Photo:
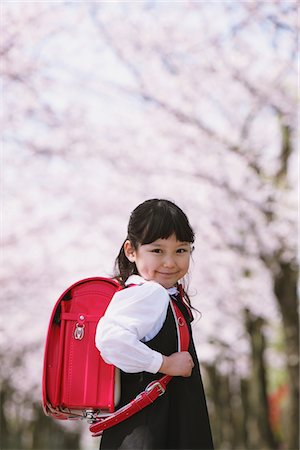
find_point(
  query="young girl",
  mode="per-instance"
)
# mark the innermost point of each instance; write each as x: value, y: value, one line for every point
x: 138, y: 334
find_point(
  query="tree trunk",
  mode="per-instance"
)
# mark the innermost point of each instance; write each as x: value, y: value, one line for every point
x: 260, y: 432
x: 4, y: 425
x: 244, y: 386
x: 285, y: 288
x: 227, y: 410
x: 213, y: 394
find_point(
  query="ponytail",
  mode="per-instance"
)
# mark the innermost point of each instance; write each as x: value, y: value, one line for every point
x: 123, y: 267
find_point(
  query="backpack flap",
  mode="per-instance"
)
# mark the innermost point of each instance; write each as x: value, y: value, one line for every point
x: 76, y: 379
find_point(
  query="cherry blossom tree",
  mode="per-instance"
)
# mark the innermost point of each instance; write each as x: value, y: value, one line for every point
x: 195, y: 102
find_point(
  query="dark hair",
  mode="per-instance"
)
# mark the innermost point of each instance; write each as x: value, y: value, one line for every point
x: 151, y: 220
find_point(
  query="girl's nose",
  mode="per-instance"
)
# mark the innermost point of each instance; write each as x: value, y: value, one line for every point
x: 169, y: 261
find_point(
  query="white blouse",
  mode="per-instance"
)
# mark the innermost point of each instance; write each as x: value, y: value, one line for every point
x: 134, y: 316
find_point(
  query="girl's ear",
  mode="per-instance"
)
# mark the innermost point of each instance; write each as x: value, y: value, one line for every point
x: 129, y: 251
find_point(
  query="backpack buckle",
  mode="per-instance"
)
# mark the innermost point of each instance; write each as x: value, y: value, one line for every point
x: 79, y: 332
x: 156, y: 384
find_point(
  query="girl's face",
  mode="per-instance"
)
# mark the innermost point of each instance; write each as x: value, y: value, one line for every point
x: 165, y: 260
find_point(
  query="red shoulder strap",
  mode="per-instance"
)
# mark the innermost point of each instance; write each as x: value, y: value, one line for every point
x: 182, y: 328
x: 154, y: 389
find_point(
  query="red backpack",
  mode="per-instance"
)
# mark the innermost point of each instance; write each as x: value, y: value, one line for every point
x: 77, y: 383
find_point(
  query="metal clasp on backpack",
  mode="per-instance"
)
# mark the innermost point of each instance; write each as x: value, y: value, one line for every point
x: 79, y: 331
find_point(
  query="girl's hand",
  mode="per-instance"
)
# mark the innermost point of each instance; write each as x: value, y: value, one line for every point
x: 177, y: 364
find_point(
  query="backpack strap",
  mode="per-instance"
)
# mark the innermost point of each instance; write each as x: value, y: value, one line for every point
x: 154, y: 389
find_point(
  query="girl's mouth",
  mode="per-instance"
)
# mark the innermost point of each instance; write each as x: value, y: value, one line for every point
x: 167, y: 274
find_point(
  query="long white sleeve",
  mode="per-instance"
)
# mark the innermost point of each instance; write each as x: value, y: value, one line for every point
x: 134, y: 314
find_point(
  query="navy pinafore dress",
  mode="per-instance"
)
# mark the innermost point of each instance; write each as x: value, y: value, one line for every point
x: 176, y: 420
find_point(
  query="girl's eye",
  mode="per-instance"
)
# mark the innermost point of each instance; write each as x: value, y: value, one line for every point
x: 156, y: 250
x: 182, y: 250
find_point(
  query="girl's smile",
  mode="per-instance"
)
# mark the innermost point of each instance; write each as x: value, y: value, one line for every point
x: 165, y: 260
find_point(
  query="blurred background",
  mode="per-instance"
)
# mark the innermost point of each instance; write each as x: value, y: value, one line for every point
x: 106, y: 104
